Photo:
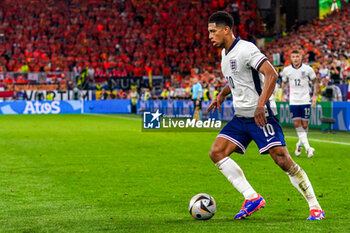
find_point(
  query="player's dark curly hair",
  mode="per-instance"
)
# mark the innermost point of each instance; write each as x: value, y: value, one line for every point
x: 221, y: 18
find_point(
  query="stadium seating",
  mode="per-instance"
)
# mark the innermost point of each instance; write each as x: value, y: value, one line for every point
x: 122, y: 37
x: 168, y: 38
x: 324, y: 42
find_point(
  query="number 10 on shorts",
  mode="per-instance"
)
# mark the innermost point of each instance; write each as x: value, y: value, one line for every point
x: 268, y: 130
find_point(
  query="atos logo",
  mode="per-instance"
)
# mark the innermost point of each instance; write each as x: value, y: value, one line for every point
x: 42, y: 108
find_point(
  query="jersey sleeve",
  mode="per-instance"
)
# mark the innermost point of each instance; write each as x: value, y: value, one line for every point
x: 254, y: 57
x: 312, y: 74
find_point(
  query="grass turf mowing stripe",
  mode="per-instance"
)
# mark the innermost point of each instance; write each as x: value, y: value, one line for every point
x: 318, y: 140
x: 76, y: 173
x: 132, y: 117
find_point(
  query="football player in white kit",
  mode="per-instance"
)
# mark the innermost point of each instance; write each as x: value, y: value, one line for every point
x: 299, y: 75
x: 251, y: 80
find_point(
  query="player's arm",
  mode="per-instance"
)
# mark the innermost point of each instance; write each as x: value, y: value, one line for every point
x: 284, y: 88
x: 216, y: 104
x: 269, y: 85
x: 284, y: 83
x: 316, y: 84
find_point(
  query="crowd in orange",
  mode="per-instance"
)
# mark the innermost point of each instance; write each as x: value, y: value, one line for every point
x: 160, y: 37
x: 325, y: 44
x: 120, y: 37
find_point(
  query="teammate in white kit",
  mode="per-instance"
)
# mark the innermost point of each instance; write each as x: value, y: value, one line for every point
x: 252, y: 80
x: 299, y: 76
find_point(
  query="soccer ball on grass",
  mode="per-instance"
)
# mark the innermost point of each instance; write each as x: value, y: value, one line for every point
x: 202, y: 206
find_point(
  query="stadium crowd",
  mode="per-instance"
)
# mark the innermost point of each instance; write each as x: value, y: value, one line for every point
x: 115, y: 38
x: 100, y: 39
x: 325, y: 44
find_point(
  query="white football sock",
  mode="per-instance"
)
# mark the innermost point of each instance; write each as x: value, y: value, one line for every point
x: 302, y: 134
x: 306, y: 143
x: 301, y: 182
x: 299, y: 142
x: 235, y: 175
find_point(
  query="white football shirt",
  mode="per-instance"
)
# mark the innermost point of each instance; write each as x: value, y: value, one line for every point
x: 240, y: 65
x: 299, y: 89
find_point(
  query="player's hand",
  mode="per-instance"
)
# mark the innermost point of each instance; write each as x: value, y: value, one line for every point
x: 313, y: 101
x: 216, y: 104
x: 197, y: 102
x: 259, y: 116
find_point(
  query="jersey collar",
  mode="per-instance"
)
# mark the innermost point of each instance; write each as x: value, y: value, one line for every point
x: 298, y: 67
x: 233, y: 44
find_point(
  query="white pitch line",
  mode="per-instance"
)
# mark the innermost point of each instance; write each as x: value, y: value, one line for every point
x: 318, y: 140
x: 112, y: 116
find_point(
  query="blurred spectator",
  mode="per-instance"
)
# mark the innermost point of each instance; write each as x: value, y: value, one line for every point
x: 165, y: 94
x: 331, y: 93
x: 25, y: 68
x: 172, y: 93
x: 146, y: 94
x: 112, y: 95
x: 134, y: 97
x: 121, y: 94
x: 104, y: 94
x: 335, y: 72
x: 324, y: 71
x: 278, y: 93
x: 206, y: 93
x: 321, y: 87
x: 19, y: 95
x: 50, y: 96
x: 216, y: 92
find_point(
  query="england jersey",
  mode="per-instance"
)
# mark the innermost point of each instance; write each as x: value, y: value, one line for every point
x: 299, y: 89
x: 240, y: 65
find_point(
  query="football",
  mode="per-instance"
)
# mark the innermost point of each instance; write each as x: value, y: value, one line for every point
x: 202, y: 206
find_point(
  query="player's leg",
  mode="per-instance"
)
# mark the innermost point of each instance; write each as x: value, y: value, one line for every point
x: 234, y: 137
x: 301, y: 116
x: 270, y: 139
x: 302, y: 134
x: 196, y: 115
x: 299, y: 145
x: 305, y: 116
x: 296, y: 117
x: 200, y: 109
x: 298, y: 178
x: 219, y: 154
x: 308, y: 148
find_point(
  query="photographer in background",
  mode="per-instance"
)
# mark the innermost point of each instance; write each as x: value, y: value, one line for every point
x: 331, y: 93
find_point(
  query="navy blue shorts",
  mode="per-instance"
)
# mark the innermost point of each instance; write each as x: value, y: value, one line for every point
x: 300, y: 112
x: 241, y: 131
x: 199, y: 104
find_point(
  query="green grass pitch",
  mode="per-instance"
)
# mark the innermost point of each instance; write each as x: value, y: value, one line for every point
x: 100, y: 173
